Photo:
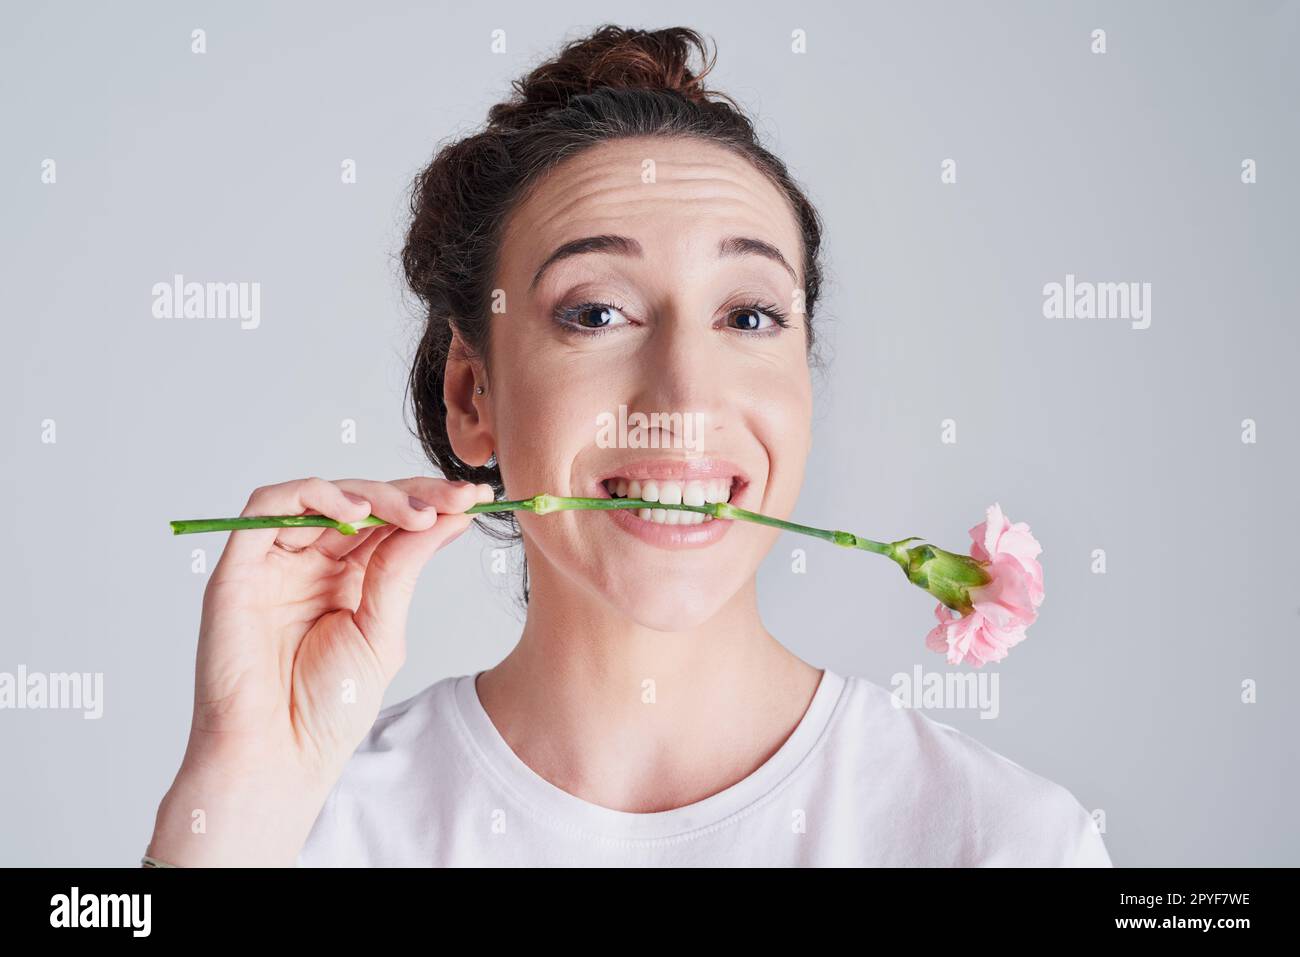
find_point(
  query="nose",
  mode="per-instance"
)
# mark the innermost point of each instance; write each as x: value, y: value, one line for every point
x: 680, y: 376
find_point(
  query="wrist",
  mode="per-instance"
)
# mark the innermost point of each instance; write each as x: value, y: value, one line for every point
x: 211, y: 819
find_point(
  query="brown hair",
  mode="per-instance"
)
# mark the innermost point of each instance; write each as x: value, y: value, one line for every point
x: 612, y: 83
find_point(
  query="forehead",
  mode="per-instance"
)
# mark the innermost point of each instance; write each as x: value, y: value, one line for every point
x: 680, y: 191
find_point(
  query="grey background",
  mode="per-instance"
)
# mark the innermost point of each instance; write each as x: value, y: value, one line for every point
x: 1115, y: 167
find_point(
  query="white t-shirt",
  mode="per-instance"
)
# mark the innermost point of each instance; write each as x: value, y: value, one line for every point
x: 860, y: 781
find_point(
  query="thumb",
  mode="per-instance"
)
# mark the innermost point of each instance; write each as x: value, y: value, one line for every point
x: 389, y: 585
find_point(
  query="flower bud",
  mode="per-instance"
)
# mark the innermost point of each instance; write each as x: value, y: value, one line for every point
x: 946, y: 576
x: 544, y: 504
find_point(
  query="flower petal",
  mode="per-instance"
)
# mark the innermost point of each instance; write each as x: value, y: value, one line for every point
x: 1009, y: 596
x: 986, y: 534
x: 1018, y: 541
x: 957, y: 636
x: 1004, y: 607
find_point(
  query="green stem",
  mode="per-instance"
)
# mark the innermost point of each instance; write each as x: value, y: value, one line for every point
x: 544, y: 504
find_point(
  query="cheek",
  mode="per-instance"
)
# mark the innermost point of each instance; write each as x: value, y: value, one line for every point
x: 543, y: 422
x: 780, y: 416
x: 790, y: 405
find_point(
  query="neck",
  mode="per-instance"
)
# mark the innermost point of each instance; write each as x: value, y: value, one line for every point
x: 629, y: 717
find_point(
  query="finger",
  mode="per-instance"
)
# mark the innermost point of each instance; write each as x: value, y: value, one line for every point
x: 389, y: 584
x: 386, y: 501
x: 393, y: 504
x: 334, y: 545
x: 361, y: 554
x: 289, y: 498
x: 447, y: 497
x: 300, y: 538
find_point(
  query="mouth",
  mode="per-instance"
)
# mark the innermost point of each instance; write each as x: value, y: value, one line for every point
x: 673, y: 483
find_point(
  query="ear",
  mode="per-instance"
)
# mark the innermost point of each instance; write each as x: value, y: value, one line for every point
x: 469, y: 421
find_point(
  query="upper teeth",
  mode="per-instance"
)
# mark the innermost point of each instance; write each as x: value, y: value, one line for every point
x: 695, y: 492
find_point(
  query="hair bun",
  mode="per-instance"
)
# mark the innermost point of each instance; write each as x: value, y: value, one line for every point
x: 611, y: 57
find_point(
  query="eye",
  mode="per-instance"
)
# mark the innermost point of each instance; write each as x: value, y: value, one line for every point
x: 591, y: 317
x: 757, y: 317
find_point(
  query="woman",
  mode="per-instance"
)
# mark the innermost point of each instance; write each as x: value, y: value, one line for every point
x: 614, y: 239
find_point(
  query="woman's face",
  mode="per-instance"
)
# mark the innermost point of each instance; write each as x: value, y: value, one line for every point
x: 659, y: 316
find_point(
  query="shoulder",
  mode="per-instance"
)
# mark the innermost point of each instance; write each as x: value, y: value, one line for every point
x: 394, y: 785
x: 419, y: 722
x: 408, y: 751
x: 969, y: 802
x: 418, y: 707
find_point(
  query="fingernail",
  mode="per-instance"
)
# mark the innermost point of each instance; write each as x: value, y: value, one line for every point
x: 354, y: 498
x: 419, y: 504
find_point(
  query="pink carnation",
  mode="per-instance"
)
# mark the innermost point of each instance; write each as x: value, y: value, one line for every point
x: 1003, y: 608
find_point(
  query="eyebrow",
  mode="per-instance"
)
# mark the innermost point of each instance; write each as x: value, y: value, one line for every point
x: 744, y: 246
x: 626, y: 246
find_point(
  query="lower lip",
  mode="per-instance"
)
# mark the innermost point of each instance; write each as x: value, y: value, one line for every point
x: 670, y: 536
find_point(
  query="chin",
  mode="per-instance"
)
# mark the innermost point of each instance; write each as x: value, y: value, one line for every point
x: 670, y: 606
x: 671, y: 616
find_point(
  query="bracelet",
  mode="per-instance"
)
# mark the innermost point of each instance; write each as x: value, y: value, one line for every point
x: 148, y: 861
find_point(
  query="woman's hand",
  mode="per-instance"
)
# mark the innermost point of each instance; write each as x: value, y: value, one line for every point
x: 301, y: 633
